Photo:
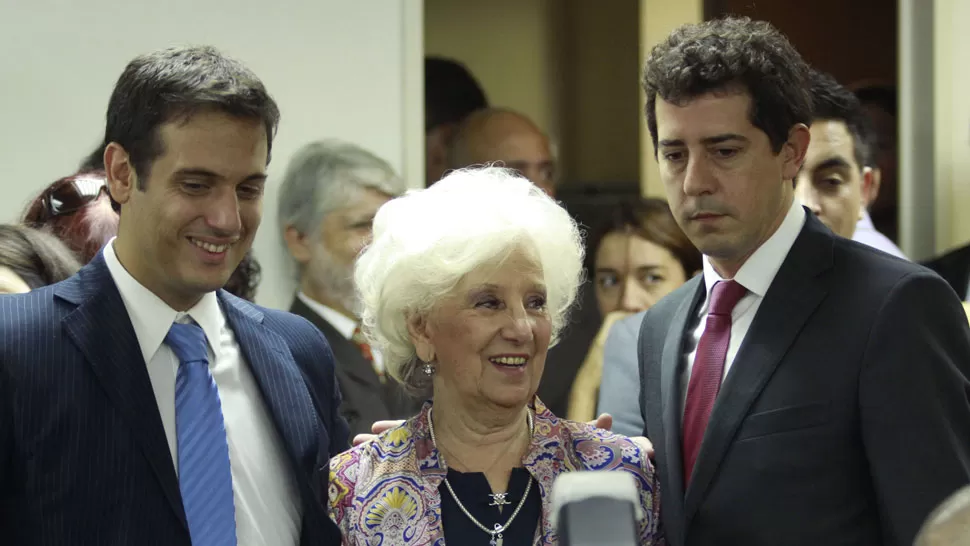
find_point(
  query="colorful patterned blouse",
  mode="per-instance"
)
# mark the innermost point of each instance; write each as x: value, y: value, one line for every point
x: 386, y: 491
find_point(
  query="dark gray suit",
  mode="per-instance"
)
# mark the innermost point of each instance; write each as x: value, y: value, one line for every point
x: 83, y: 454
x: 845, y: 417
x: 365, y: 398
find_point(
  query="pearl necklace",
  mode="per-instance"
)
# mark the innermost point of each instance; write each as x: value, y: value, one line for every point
x: 496, y: 532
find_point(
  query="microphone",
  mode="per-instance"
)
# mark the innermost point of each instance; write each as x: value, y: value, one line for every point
x: 596, y: 508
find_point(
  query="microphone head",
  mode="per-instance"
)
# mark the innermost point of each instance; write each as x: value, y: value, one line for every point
x: 572, y: 487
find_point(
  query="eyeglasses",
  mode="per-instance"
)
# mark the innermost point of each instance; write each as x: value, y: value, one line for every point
x: 72, y: 195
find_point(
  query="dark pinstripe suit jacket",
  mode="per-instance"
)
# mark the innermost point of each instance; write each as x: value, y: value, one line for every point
x: 83, y: 455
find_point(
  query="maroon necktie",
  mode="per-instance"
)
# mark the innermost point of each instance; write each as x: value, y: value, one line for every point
x: 705, y: 377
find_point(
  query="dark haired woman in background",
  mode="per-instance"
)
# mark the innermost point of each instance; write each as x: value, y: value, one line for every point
x: 641, y: 255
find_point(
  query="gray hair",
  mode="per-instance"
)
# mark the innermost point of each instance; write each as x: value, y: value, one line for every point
x: 427, y: 241
x: 327, y: 175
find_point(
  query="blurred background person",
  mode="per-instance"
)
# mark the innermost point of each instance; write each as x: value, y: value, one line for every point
x: 78, y: 210
x: 31, y: 258
x: 500, y: 135
x: 838, y: 179
x: 640, y: 256
x: 451, y: 92
x: 330, y: 192
x: 464, y: 288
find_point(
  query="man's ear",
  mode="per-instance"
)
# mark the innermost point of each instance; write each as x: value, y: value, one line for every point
x: 870, y: 194
x: 120, y: 173
x: 297, y: 244
x: 794, y: 150
x: 419, y: 329
x: 867, y: 183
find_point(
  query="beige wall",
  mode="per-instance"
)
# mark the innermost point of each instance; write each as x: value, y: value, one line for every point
x: 952, y: 124
x: 507, y: 45
x: 600, y: 92
x: 570, y: 65
x: 657, y: 19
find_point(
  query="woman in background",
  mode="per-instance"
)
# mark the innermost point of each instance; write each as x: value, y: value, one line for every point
x: 641, y: 256
x: 31, y: 259
x: 464, y: 288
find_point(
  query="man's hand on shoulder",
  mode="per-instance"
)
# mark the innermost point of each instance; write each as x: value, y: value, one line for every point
x: 376, y: 429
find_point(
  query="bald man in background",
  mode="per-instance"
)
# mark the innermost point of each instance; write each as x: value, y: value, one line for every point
x: 500, y: 135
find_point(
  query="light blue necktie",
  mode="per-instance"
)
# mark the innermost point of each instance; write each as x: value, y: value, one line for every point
x: 205, y: 478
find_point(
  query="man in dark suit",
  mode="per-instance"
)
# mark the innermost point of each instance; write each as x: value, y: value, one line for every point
x: 140, y: 404
x: 330, y: 193
x: 954, y: 266
x: 805, y: 389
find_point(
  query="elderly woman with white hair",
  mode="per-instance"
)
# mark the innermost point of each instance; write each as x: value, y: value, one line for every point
x: 464, y: 287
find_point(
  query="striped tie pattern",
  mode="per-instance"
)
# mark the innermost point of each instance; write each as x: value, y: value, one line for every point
x: 205, y: 477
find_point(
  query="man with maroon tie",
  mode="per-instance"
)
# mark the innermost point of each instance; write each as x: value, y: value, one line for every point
x: 805, y: 389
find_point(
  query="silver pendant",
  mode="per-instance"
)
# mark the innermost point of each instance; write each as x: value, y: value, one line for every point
x: 498, y: 499
x: 496, y: 536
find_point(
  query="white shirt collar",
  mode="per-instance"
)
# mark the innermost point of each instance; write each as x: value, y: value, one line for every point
x: 344, y: 325
x: 757, y: 273
x: 151, y: 317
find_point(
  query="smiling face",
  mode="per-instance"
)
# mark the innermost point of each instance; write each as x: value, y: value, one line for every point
x: 489, y: 338
x: 831, y: 183
x: 187, y: 226
x: 728, y: 190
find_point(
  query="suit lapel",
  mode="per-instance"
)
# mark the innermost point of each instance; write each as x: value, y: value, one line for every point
x: 101, y: 328
x: 350, y: 361
x: 792, y: 297
x: 671, y: 359
x: 281, y: 383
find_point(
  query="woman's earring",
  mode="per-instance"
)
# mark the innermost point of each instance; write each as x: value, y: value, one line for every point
x: 428, y: 369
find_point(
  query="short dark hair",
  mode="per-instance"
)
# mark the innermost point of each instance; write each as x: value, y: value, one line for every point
x: 651, y: 220
x: 176, y: 83
x: 450, y: 92
x: 883, y: 96
x: 832, y: 101
x: 37, y: 257
x: 734, y: 51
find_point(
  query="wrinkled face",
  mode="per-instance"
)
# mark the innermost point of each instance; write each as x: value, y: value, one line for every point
x: 831, y: 183
x: 11, y: 283
x: 343, y: 234
x: 490, y: 336
x: 633, y: 273
x: 727, y: 189
x: 187, y: 230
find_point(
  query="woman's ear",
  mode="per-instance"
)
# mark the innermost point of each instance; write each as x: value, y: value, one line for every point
x: 419, y: 329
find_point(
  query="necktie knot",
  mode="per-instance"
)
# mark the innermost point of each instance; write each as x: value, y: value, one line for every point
x: 187, y: 342
x: 724, y: 296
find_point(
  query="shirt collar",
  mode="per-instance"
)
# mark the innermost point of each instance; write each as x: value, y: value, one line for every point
x: 757, y: 273
x: 345, y: 326
x: 151, y: 317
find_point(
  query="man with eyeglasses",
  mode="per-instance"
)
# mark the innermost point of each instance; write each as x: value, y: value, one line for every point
x: 140, y: 404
